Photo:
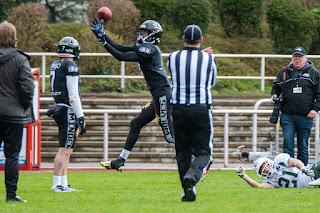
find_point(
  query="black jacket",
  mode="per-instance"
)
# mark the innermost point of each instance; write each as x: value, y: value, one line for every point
x: 16, y: 87
x: 300, y: 89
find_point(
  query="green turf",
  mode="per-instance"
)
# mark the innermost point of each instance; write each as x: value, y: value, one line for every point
x: 222, y: 191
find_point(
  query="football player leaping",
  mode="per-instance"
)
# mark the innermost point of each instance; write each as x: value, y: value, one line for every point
x: 283, y: 172
x: 146, y: 52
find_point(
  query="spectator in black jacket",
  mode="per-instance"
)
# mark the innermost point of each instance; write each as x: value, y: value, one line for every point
x: 299, y: 85
x: 16, y: 92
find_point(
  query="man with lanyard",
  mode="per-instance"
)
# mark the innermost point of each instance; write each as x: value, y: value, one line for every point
x: 299, y: 85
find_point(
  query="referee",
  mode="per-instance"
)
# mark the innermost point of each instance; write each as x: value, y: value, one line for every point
x: 193, y: 73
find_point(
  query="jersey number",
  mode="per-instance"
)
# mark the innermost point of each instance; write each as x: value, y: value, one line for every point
x: 53, y: 76
x: 286, y: 182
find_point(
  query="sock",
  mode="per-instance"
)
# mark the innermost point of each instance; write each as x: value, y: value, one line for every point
x: 124, y: 154
x: 56, y: 181
x: 64, y: 181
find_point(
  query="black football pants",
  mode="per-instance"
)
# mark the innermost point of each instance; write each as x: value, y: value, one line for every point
x: 158, y: 107
x: 11, y: 134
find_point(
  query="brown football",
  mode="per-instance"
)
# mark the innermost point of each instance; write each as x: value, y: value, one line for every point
x: 104, y: 13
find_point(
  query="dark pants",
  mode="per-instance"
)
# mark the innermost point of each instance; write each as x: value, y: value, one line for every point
x: 158, y: 107
x: 292, y: 124
x: 193, y: 136
x: 11, y: 134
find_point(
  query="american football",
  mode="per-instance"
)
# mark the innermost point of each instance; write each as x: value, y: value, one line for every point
x: 104, y: 13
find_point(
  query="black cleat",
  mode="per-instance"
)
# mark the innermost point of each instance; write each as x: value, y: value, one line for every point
x: 117, y: 164
x: 189, y: 190
x: 16, y: 199
x: 183, y: 198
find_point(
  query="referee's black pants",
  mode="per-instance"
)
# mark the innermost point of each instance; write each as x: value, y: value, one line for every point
x: 193, y: 136
x: 11, y: 134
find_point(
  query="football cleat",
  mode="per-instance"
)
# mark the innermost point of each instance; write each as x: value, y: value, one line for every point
x: 205, y: 174
x: 16, y: 199
x: 70, y: 189
x: 59, y: 188
x: 117, y: 164
x: 183, y: 197
x: 315, y: 183
x: 189, y: 190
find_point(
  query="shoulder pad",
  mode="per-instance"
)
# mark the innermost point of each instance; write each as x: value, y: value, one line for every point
x: 71, y: 67
x: 56, y: 64
x: 145, y: 49
x: 282, y: 158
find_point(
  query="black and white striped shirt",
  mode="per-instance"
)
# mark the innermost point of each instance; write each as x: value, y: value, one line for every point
x: 193, y: 73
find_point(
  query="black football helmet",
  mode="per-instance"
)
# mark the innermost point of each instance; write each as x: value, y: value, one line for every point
x: 69, y: 47
x: 155, y: 31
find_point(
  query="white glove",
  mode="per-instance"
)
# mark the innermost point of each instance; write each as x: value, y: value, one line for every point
x: 308, y: 171
x: 241, y: 172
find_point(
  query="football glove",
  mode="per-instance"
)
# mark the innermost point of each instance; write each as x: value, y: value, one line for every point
x: 241, y: 172
x: 98, y: 30
x: 82, y: 126
x: 308, y: 171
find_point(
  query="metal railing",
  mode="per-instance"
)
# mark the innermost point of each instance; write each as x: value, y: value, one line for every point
x: 226, y: 114
x: 108, y: 112
x: 122, y: 75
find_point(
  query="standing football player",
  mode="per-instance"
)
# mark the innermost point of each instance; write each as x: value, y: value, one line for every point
x: 146, y: 52
x: 67, y: 112
x: 283, y: 172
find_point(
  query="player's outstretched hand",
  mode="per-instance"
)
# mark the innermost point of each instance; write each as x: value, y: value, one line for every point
x: 308, y: 171
x: 98, y: 31
x: 241, y: 172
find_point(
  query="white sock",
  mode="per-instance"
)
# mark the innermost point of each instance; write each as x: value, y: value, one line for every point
x: 56, y: 181
x: 124, y: 154
x: 64, y: 181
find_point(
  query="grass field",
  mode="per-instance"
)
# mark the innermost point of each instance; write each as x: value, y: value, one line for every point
x: 222, y: 191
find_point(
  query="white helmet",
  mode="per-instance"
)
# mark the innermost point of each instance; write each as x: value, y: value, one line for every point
x: 263, y: 167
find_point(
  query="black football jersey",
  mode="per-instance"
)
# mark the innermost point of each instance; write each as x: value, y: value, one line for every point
x: 58, y: 72
x: 151, y: 65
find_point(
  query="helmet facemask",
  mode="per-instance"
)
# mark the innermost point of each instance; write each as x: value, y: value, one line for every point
x: 154, y: 32
x: 264, y: 168
x: 152, y: 37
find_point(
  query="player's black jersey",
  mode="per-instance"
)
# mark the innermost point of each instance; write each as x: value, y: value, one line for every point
x: 150, y: 63
x: 149, y: 60
x: 59, y: 70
